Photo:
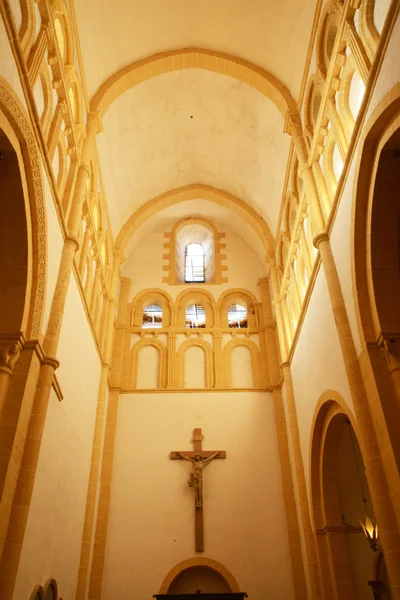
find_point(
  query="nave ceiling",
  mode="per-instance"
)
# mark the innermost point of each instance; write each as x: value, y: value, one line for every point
x: 194, y: 126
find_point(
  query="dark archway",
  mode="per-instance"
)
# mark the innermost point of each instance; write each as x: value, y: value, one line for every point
x: 202, y: 578
x: 341, y: 501
x: 14, y: 243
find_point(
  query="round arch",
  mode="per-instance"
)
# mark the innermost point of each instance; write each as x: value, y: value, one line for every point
x: 199, y: 561
x: 255, y: 360
x: 192, y: 58
x: 205, y: 192
x: 236, y: 295
x: 152, y: 296
x: 134, y: 362
x: 196, y: 296
x: 14, y: 115
x: 330, y: 509
x: 180, y: 356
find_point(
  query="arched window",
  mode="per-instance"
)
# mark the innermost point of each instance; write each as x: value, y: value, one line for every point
x: 152, y: 317
x: 194, y: 263
x: 195, y: 316
x: 237, y: 316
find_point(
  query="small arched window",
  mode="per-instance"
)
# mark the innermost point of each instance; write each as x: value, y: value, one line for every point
x: 237, y: 316
x: 194, y: 263
x: 152, y: 317
x: 195, y: 316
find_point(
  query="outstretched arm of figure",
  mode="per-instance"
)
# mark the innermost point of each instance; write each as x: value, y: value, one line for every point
x: 207, y: 460
x: 185, y: 457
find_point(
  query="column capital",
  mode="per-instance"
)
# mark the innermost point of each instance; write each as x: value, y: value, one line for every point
x: 321, y: 237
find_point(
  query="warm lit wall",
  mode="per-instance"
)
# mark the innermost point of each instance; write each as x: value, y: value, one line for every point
x: 151, y: 519
x: 317, y: 364
x: 53, y: 536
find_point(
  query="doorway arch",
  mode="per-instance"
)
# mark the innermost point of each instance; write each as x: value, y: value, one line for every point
x: 340, y: 501
x: 197, y: 562
x: 18, y: 138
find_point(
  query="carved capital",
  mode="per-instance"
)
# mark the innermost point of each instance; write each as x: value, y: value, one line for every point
x: 390, y: 348
x: 293, y: 125
x: 9, y: 355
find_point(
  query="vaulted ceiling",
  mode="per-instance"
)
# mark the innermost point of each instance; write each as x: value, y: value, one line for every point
x: 183, y: 126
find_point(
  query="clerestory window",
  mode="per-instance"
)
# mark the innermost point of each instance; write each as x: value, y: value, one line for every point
x: 237, y: 316
x: 194, y: 264
x: 152, y: 317
x: 195, y: 316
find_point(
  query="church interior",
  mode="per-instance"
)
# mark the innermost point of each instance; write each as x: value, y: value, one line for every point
x: 200, y: 299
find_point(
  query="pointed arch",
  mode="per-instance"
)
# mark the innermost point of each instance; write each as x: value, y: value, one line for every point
x: 189, y: 192
x: 192, y: 58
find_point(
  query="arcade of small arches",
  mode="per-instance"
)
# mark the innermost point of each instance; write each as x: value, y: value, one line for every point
x: 229, y: 355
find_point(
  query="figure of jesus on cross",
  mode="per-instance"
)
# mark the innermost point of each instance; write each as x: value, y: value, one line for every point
x: 199, y: 458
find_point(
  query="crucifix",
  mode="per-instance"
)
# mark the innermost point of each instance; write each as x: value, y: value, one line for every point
x: 199, y: 458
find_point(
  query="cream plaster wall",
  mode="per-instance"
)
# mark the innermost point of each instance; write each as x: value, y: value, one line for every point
x: 151, y: 524
x: 241, y: 368
x: 195, y: 368
x: 8, y: 68
x: 53, y: 535
x: 193, y: 126
x: 224, y: 26
x: 341, y: 244
x: 148, y: 368
x: 317, y: 364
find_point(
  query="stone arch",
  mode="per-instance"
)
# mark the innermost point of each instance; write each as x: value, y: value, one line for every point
x: 379, y: 336
x: 62, y: 14
x: 196, y: 296
x: 19, y: 124
x: 37, y: 593
x: 152, y: 296
x: 162, y: 349
x: 205, y: 192
x: 28, y: 26
x: 326, y: 37
x: 180, y: 367
x: 50, y: 586
x: 237, y: 295
x: 192, y: 58
x: 176, y: 255
x: 255, y: 360
x: 331, y: 416
x: 199, y: 561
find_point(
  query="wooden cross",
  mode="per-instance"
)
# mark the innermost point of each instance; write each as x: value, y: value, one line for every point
x: 199, y: 458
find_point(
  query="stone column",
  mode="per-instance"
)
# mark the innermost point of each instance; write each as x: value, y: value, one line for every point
x: 171, y: 376
x: 98, y: 437
x: 309, y: 534
x: 23, y: 494
x: 295, y: 551
x: 219, y: 371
